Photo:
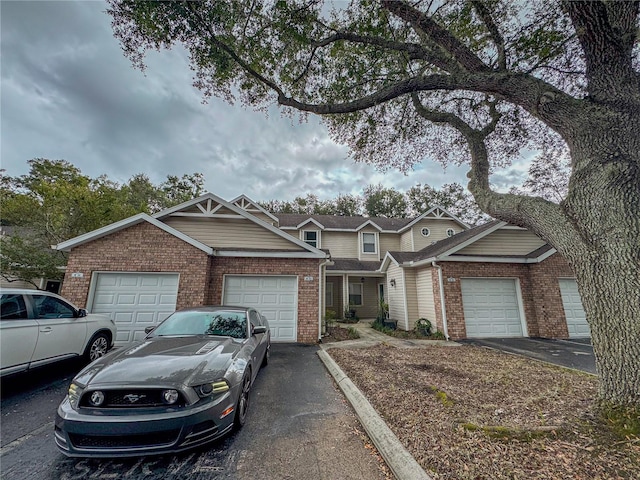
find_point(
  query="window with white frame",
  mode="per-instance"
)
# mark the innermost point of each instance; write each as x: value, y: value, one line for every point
x: 312, y: 237
x: 425, y: 232
x: 369, y: 243
x: 328, y: 295
x: 450, y: 232
x: 355, y: 294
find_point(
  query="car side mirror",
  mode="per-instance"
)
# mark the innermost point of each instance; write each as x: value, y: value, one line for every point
x: 259, y: 329
x: 81, y: 313
x: 149, y: 329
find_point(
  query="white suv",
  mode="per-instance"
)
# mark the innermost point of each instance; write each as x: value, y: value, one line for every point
x: 38, y: 327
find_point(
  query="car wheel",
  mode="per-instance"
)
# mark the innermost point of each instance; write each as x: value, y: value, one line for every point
x: 97, y: 347
x: 242, y: 406
x: 265, y: 359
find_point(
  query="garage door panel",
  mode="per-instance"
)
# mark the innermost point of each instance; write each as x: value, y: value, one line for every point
x: 491, y: 308
x: 135, y: 301
x: 273, y: 296
x: 577, y: 325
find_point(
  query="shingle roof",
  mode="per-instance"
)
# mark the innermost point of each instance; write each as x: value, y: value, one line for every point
x: 353, y: 264
x: 342, y: 222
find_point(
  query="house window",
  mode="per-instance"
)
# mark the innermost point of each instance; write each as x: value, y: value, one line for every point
x: 369, y: 243
x: 425, y: 232
x: 328, y: 295
x: 311, y: 237
x: 450, y: 232
x: 355, y: 294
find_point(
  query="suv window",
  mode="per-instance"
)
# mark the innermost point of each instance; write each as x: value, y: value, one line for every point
x: 12, y: 307
x: 51, y: 307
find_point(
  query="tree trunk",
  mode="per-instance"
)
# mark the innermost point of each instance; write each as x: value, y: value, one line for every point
x: 603, y: 245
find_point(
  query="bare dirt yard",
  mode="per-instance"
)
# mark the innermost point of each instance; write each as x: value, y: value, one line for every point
x: 472, y: 413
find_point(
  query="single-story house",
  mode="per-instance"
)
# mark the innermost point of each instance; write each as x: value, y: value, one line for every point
x: 492, y: 280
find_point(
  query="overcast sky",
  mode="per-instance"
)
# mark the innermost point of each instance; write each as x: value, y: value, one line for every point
x: 68, y: 93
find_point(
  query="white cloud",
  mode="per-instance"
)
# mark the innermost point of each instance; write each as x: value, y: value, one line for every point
x: 69, y: 93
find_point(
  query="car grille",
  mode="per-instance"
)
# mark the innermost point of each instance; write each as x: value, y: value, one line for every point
x: 124, y: 441
x: 131, y: 399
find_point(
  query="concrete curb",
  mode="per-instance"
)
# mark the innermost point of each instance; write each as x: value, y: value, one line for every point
x: 399, y: 460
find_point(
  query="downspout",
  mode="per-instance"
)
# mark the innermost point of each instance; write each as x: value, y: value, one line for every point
x: 321, y: 288
x: 442, y: 305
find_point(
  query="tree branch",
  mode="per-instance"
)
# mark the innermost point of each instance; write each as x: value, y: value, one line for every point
x: 414, y: 50
x: 515, y: 209
x: 485, y: 14
x: 441, y: 36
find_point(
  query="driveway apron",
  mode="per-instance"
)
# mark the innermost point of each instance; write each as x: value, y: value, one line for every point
x: 577, y: 354
x: 299, y: 426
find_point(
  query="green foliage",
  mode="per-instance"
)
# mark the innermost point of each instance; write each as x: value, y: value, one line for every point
x: 28, y: 258
x: 423, y: 327
x: 353, y: 333
x: 623, y: 422
x: 384, y: 202
x: 330, y: 317
x: 55, y: 201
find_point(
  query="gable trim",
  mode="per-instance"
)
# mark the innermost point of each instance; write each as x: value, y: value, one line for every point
x: 429, y: 212
x: 245, y: 214
x: 246, y: 199
x: 309, y: 220
x: 126, y: 223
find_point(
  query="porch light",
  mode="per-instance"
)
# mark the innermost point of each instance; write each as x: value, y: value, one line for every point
x: 361, y: 279
x: 393, y: 282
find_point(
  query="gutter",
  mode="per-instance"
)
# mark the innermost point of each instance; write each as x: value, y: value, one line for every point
x: 321, y: 288
x: 442, y: 304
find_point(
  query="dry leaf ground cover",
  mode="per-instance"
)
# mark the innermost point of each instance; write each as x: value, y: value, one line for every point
x: 472, y: 413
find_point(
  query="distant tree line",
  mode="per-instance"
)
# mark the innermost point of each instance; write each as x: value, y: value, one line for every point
x: 379, y: 201
x: 55, y: 201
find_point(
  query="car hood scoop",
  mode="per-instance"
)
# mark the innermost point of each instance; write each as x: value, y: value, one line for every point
x: 159, y: 361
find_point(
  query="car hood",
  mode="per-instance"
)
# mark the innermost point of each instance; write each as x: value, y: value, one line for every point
x: 161, y: 361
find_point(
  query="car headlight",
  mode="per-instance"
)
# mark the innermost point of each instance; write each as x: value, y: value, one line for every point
x: 170, y: 396
x: 75, y: 392
x: 209, y: 389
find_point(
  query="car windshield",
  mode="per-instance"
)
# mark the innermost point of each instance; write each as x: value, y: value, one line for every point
x: 222, y: 323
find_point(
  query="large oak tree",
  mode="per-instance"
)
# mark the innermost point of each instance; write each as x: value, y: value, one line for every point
x: 473, y: 81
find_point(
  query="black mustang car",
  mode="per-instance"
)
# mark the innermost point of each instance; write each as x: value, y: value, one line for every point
x: 185, y: 384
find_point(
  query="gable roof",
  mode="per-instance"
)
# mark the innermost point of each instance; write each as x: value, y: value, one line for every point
x: 208, y: 206
x: 126, y: 223
x: 291, y: 221
x: 446, y: 249
x: 436, y: 212
x: 250, y: 206
x: 339, y: 222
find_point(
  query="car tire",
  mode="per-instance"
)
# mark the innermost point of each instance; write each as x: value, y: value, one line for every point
x: 242, y: 406
x: 265, y: 359
x: 97, y: 347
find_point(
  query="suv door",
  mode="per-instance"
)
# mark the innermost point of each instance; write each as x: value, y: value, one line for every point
x: 18, y: 334
x: 60, y: 331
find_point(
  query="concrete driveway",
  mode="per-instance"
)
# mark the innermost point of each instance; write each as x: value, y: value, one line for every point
x: 574, y: 353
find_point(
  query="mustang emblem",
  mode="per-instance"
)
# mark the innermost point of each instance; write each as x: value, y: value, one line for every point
x: 133, y: 398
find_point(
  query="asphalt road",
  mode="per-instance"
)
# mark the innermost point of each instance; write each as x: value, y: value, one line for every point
x: 574, y: 353
x: 299, y: 427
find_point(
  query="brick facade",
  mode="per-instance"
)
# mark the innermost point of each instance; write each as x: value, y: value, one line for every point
x: 301, y: 267
x: 146, y: 248
x: 140, y: 248
x: 541, y: 298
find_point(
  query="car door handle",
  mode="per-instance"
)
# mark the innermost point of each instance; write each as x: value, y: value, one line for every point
x: 45, y: 330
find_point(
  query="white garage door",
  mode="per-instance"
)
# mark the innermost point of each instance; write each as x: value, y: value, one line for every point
x: 135, y: 301
x: 576, y: 318
x: 274, y: 296
x: 491, y: 307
